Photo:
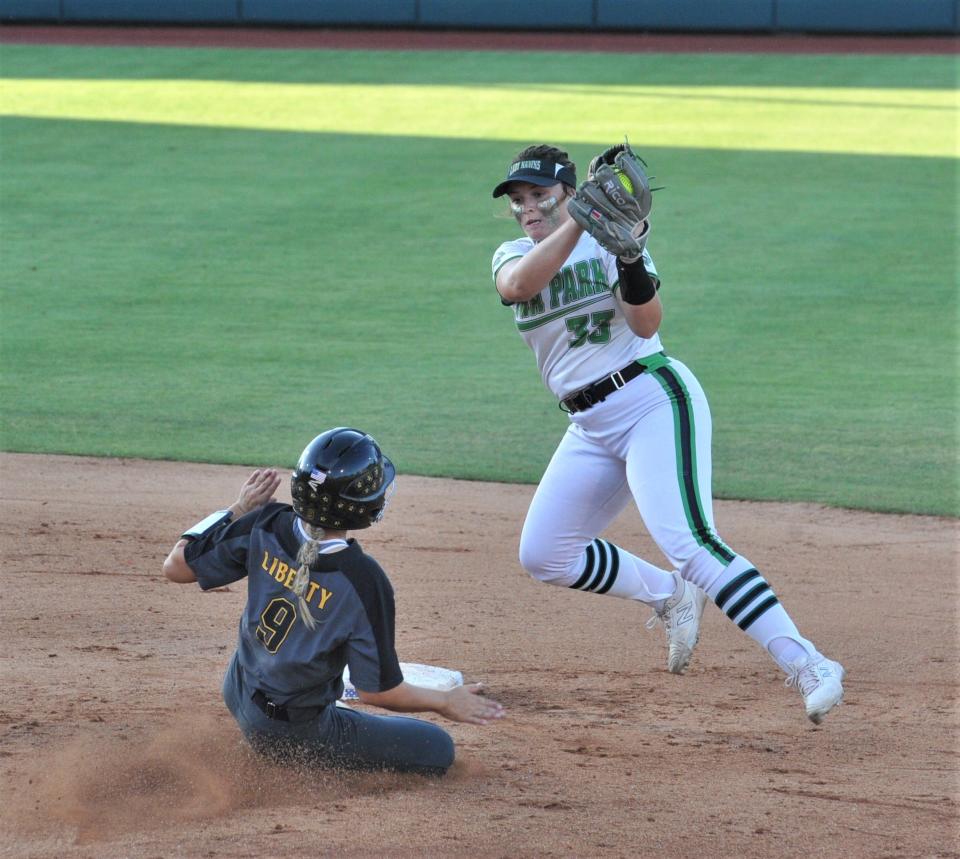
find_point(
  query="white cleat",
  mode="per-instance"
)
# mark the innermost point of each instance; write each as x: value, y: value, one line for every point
x: 680, y: 617
x: 820, y: 682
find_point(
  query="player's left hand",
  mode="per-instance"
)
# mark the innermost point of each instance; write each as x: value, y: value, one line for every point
x: 257, y: 490
x: 466, y: 704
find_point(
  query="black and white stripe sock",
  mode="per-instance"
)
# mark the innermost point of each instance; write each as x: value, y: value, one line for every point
x: 748, y: 600
x: 609, y: 569
x: 601, y: 568
x: 745, y: 598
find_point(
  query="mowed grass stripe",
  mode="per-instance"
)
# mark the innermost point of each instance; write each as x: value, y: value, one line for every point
x: 890, y: 72
x: 839, y: 120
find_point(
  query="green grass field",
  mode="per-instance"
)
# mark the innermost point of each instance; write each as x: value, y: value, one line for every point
x: 211, y: 255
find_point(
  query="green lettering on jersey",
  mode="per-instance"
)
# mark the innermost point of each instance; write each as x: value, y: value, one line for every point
x: 556, y: 284
x: 582, y: 272
x: 599, y: 276
x: 569, y: 285
x: 532, y: 307
x: 557, y: 314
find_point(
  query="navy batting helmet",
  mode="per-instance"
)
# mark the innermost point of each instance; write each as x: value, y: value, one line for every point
x: 341, y: 480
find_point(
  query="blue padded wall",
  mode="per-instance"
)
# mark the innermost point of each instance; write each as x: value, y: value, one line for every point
x: 365, y: 12
x: 30, y: 10
x: 509, y: 14
x: 756, y: 16
x: 869, y: 16
x: 168, y: 11
x: 686, y: 14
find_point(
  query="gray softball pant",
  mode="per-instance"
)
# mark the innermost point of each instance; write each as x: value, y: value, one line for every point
x: 338, y: 737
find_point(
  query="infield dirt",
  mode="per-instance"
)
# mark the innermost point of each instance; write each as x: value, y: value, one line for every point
x: 115, y: 743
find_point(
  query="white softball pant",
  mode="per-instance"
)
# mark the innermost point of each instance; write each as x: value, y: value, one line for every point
x: 649, y: 441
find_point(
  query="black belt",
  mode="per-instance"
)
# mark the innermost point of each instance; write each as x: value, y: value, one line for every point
x: 280, y: 713
x: 602, y: 388
x: 270, y: 710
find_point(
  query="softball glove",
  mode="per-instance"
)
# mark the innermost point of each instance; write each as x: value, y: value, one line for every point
x: 613, y: 204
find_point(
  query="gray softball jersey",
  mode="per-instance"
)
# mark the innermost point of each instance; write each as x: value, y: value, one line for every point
x: 349, y: 596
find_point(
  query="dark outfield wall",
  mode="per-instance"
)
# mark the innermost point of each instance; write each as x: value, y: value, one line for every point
x: 766, y: 16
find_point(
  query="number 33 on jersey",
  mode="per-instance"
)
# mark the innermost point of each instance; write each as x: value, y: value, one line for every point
x: 575, y: 316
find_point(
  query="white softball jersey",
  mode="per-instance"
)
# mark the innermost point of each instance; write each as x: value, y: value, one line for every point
x: 574, y: 325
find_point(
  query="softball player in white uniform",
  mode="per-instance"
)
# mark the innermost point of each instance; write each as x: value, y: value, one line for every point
x: 640, y: 428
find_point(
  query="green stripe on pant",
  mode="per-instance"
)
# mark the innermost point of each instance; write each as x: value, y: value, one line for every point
x: 685, y: 436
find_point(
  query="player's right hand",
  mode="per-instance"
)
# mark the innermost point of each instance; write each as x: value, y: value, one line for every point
x: 257, y: 490
x: 466, y: 704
